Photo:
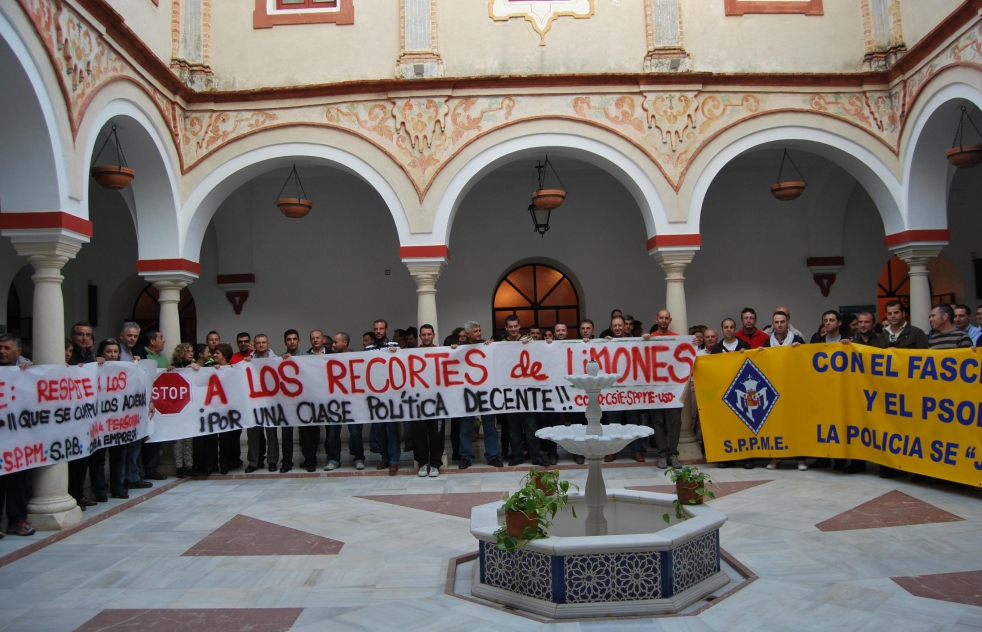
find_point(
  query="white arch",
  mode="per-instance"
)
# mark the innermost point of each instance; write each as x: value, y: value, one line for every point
x: 592, y: 151
x: 201, y: 205
x: 875, y: 176
x: 153, y: 196
x: 37, y: 180
x: 926, y: 173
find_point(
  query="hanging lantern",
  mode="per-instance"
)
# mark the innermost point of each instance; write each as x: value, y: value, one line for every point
x: 961, y: 155
x: 297, y: 207
x: 543, y: 198
x: 116, y: 176
x: 540, y: 217
x: 790, y: 189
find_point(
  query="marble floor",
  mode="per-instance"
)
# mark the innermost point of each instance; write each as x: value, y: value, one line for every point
x: 363, y: 551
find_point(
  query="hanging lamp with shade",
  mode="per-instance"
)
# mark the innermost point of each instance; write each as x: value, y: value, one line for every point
x: 787, y: 190
x: 543, y: 198
x: 117, y: 176
x: 294, y: 207
x: 961, y: 155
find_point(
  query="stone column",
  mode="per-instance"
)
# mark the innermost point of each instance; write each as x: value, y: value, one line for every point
x: 50, y: 508
x: 674, y: 263
x: 426, y: 276
x: 169, y: 298
x: 917, y: 258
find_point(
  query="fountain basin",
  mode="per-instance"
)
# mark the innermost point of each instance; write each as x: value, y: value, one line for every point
x: 644, y: 566
x: 575, y: 439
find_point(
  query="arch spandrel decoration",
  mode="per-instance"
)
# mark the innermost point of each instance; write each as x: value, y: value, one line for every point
x: 539, y: 295
x: 670, y: 137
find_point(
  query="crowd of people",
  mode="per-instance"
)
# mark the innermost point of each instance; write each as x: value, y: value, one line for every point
x: 507, y: 438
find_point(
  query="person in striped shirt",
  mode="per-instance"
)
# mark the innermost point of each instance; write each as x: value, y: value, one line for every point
x: 945, y: 334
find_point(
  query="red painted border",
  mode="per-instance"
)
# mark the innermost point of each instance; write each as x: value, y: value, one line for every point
x: 670, y: 241
x: 812, y: 7
x: 236, y: 278
x: 167, y: 265
x: 423, y: 252
x: 825, y: 261
x: 909, y: 236
x: 262, y: 20
x: 48, y: 219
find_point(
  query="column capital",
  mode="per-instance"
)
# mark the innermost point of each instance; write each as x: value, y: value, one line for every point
x: 917, y: 257
x: 163, y: 285
x: 426, y: 275
x: 674, y: 261
x: 52, y: 253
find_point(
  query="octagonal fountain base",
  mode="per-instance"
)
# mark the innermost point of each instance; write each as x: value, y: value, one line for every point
x: 642, y: 567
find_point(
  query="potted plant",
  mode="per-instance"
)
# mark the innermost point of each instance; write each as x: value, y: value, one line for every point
x: 962, y: 155
x: 787, y: 190
x: 528, y: 512
x: 116, y: 176
x: 690, y: 488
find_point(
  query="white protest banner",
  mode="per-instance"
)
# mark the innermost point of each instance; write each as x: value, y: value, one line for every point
x: 409, y: 384
x: 52, y: 413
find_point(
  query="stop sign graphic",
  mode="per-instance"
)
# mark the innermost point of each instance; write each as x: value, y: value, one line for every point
x: 171, y: 393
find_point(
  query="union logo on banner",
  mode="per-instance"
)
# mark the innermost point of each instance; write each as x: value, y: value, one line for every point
x: 751, y: 396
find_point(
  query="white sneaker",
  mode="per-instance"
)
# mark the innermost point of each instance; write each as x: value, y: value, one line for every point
x: 802, y: 467
x: 434, y: 472
x: 772, y: 465
x: 330, y: 466
x: 424, y: 471
x: 359, y: 465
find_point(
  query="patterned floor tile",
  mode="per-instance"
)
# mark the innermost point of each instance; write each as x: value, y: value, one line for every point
x: 893, y: 509
x: 212, y: 620
x: 459, y: 505
x: 956, y: 587
x: 243, y: 535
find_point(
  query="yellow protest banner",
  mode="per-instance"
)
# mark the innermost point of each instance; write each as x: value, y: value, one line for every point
x: 914, y: 410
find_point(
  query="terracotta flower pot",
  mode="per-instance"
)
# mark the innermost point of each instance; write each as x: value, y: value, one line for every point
x: 548, y: 199
x: 294, y: 208
x: 539, y: 485
x: 113, y: 176
x: 688, y: 492
x: 787, y: 191
x: 965, y: 156
x: 516, y: 522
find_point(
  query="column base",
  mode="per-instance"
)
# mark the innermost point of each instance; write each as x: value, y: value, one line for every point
x: 58, y: 521
x: 690, y: 452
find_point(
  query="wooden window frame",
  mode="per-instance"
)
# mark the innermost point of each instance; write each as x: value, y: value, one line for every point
x: 738, y: 7
x: 343, y: 13
x: 534, y: 306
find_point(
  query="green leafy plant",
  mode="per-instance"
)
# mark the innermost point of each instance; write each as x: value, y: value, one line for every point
x: 687, y: 475
x: 540, y: 498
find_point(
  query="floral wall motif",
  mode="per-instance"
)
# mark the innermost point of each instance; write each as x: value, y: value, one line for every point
x: 423, y: 134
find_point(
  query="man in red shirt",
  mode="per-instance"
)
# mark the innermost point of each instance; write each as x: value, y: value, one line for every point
x: 244, y: 341
x: 750, y: 334
x: 662, y: 321
x: 667, y: 421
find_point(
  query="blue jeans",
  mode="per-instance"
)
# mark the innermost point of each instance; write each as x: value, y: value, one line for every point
x: 388, y: 442
x: 356, y: 446
x: 373, y: 437
x: 124, y: 466
x: 490, y: 437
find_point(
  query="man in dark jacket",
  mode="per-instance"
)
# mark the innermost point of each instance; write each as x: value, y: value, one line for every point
x: 865, y: 335
x: 781, y: 336
x: 730, y: 342
x: 82, y: 344
x: 900, y: 334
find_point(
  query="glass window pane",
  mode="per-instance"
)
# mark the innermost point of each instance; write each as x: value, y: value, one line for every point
x: 547, y: 317
x: 546, y: 278
x: 564, y: 294
x: 507, y: 296
x: 522, y: 279
x: 526, y: 317
x: 570, y: 317
x: 499, y: 320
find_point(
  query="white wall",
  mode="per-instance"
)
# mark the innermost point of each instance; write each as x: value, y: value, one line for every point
x: 598, y: 234
x: 754, y: 251
x: 324, y: 271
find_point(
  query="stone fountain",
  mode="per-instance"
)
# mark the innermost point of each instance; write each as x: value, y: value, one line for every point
x: 638, y: 565
x: 594, y: 442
